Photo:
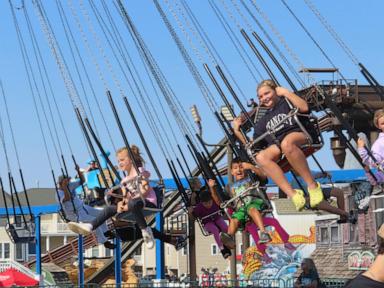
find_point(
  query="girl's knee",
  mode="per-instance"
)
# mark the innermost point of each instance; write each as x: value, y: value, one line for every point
x: 288, y: 146
x: 262, y: 158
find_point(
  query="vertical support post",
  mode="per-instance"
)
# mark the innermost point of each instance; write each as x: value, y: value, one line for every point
x: 117, y: 254
x: 192, y: 249
x: 81, y: 261
x: 38, y: 248
x: 246, y: 242
x: 160, y: 261
x: 233, y: 256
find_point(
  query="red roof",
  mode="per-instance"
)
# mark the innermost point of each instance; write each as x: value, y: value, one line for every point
x: 12, y: 276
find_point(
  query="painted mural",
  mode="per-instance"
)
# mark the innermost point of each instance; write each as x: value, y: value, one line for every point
x: 279, y: 260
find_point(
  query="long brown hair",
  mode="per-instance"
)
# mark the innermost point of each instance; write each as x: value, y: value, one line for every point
x: 139, y: 160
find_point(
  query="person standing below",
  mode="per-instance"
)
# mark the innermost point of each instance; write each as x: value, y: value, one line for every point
x: 309, y: 278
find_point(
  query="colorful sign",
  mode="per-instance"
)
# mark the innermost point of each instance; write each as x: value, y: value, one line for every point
x: 360, y: 260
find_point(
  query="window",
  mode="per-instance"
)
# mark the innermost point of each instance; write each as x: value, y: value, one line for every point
x: 324, y: 236
x: 19, y: 251
x: 95, y: 251
x: 108, y: 252
x: 6, y: 250
x: 335, y: 235
x: 1, y: 250
x: 31, y: 248
x: 214, y: 249
x: 241, y: 248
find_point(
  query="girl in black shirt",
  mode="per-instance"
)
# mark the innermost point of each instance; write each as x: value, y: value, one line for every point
x: 290, y: 137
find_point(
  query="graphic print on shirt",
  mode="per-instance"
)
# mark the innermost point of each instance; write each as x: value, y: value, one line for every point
x: 275, y: 122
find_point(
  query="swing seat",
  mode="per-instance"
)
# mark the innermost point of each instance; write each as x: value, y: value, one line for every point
x: 21, y: 234
x: 227, y: 204
x: 201, y: 225
x: 307, y: 123
x: 128, y: 217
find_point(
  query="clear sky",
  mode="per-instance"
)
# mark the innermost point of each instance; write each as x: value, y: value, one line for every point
x: 358, y: 23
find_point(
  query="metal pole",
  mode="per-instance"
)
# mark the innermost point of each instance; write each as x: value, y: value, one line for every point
x: 160, y: 258
x: 117, y: 254
x: 192, y: 249
x: 38, y: 248
x: 80, y: 258
x: 126, y: 143
x: 143, y: 139
x: 259, y: 56
x: 94, y: 154
x: 233, y: 256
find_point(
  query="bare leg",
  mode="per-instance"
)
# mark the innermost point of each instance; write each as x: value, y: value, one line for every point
x: 291, y: 148
x: 233, y: 226
x: 266, y: 159
x: 257, y: 219
x: 325, y: 206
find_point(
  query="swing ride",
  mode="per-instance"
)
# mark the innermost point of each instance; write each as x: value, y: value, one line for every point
x: 94, y: 46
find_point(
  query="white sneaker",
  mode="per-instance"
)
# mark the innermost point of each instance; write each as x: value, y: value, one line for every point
x: 148, y: 237
x: 80, y: 228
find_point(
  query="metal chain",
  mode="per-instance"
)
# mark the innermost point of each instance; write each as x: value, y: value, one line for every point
x: 332, y: 31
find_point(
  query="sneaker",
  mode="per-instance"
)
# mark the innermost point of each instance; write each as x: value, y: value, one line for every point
x: 315, y: 196
x: 80, y: 228
x: 264, y: 238
x: 289, y: 246
x: 298, y: 200
x: 226, y: 252
x: 109, y: 245
x: 181, y: 242
x: 148, y: 237
x: 377, y: 189
x: 227, y: 240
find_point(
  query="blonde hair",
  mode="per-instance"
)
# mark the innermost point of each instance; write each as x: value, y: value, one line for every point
x: 378, y: 114
x: 139, y: 160
x: 269, y: 83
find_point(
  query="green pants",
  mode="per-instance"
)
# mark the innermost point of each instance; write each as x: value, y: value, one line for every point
x: 241, y: 214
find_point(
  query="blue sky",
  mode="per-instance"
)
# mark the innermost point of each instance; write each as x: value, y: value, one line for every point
x: 359, y: 25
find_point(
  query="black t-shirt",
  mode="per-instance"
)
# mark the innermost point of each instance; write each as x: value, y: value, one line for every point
x: 363, y: 281
x: 272, y: 117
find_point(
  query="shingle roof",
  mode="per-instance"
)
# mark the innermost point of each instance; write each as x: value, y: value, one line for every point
x: 36, y: 196
x: 285, y: 206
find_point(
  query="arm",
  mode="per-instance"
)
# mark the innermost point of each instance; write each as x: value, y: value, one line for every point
x: 236, y: 129
x: 364, y: 153
x: 144, y: 188
x: 212, y: 189
x: 67, y: 195
x: 297, y: 101
x: 254, y: 169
